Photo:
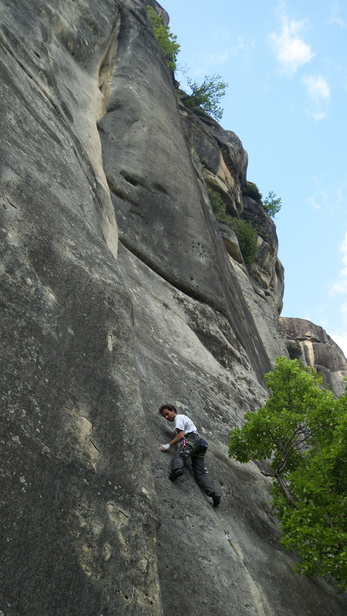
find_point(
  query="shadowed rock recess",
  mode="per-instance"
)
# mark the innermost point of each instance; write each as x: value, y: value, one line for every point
x: 120, y: 291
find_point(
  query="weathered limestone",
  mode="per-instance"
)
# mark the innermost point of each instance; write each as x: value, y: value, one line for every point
x: 99, y: 330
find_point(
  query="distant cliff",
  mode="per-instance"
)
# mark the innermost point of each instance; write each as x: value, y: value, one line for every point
x: 120, y: 291
x: 312, y: 345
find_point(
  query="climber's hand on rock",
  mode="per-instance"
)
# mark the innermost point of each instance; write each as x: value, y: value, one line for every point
x: 164, y: 447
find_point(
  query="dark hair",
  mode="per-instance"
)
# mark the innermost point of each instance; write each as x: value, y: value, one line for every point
x: 169, y: 407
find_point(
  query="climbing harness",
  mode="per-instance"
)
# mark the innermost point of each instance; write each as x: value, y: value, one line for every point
x: 198, y: 451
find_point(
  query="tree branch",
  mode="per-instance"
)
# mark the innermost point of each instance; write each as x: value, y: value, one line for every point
x: 289, y: 496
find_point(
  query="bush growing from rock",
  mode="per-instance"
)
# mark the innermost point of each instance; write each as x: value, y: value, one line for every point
x: 217, y: 203
x: 272, y: 204
x: 207, y: 95
x: 247, y: 237
x: 244, y: 230
x: 250, y: 189
x: 165, y: 38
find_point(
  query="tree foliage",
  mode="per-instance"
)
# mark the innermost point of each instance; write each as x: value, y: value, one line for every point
x: 271, y: 204
x: 302, y: 432
x: 207, y: 95
x: 165, y: 38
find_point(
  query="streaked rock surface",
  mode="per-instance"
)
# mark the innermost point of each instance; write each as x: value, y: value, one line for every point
x: 317, y: 349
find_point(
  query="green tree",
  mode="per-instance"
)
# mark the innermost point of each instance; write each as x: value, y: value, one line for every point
x: 302, y: 432
x: 271, y: 204
x: 165, y: 38
x: 207, y: 95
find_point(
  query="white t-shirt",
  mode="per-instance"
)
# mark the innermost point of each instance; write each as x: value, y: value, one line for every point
x: 182, y: 422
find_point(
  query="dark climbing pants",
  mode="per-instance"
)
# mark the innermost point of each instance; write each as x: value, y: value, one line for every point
x: 190, y: 448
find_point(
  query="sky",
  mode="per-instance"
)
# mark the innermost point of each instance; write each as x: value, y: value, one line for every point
x: 286, y: 66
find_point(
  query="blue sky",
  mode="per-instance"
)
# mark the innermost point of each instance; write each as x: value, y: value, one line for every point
x: 286, y: 66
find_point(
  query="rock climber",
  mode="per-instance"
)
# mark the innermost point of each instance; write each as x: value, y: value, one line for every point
x: 189, y: 445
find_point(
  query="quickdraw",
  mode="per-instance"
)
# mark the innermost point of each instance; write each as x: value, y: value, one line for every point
x: 185, y: 442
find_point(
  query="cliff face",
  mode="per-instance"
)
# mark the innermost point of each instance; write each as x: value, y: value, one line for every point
x: 312, y: 345
x: 118, y: 294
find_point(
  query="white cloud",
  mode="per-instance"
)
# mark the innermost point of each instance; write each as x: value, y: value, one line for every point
x: 318, y: 92
x: 219, y: 58
x: 328, y: 196
x: 317, y: 115
x: 341, y: 337
x: 341, y: 341
x: 243, y: 48
x: 291, y: 51
x: 335, y: 10
x: 316, y: 201
x: 341, y: 285
x: 318, y: 89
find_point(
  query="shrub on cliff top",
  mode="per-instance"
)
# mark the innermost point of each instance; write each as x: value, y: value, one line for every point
x: 207, y: 95
x: 250, y: 189
x: 271, y: 204
x: 165, y: 38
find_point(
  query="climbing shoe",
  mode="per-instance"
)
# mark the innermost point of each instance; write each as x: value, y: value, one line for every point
x: 176, y: 473
x: 216, y: 498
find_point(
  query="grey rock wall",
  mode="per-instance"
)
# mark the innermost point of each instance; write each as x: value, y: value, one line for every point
x: 312, y: 345
x: 78, y: 527
x: 118, y: 294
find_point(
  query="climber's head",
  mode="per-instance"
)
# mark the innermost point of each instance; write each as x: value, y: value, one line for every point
x: 168, y: 411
